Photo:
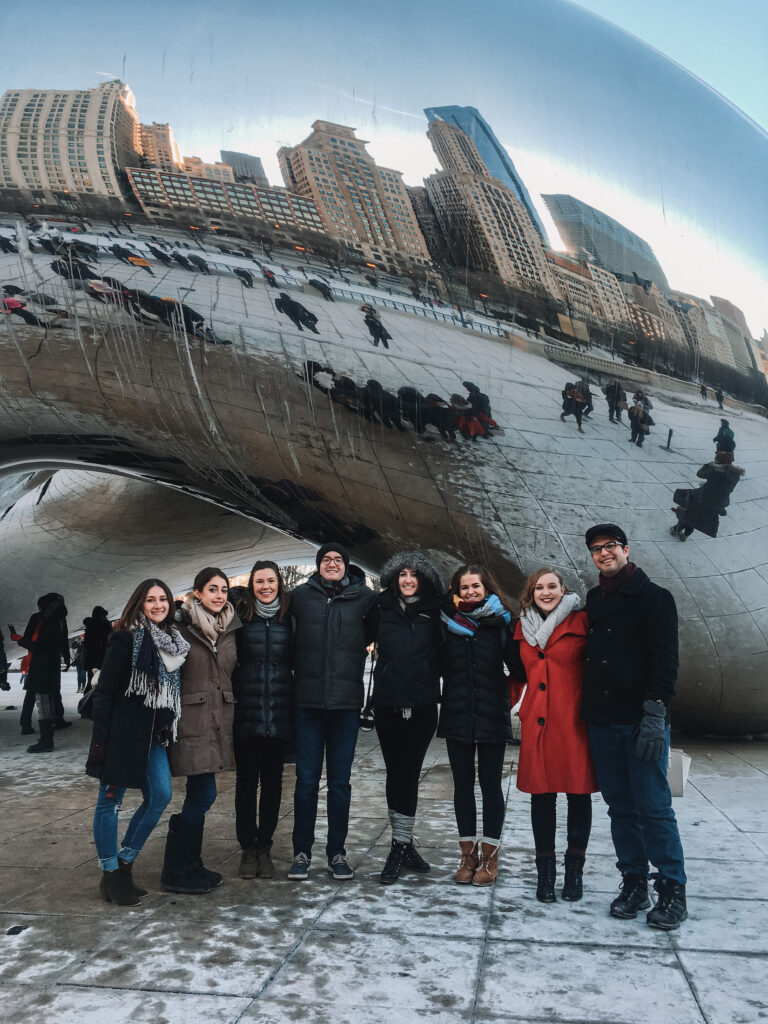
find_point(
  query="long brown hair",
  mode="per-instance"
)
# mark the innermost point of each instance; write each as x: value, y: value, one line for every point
x: 130, y: 617
x: 486, y: 578
x: 247, y: 608
x: 526, y: 598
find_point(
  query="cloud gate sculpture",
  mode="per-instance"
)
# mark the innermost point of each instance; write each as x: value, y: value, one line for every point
x: 239, y: 368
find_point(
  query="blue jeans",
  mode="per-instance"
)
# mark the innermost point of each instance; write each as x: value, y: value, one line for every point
x: 333, y: 733
x: 643, y: 824
x: 199, y: 798
x: 157, y: 794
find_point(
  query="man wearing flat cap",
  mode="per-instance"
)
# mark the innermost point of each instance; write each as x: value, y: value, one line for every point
x: 331, y: 632
x: 630, y: 672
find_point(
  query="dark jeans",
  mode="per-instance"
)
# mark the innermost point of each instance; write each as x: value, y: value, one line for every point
x: 25, y: 720
x: 636, y: 434
x: 614, y: 410
x: 404, y: 743
x: 490, y: 764
x: 259, y: 761
x: 643, y: 824
x: 199, y: 797
x: 333, y: 734
x: 544, y: 821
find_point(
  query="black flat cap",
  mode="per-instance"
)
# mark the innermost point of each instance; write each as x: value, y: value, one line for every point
x: 606, y: 530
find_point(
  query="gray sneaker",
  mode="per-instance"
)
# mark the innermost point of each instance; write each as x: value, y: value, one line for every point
x: 340, y: 869
x: 300, y: 868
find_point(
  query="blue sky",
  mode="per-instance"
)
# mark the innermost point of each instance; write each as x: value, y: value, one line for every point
x: 582, y: 107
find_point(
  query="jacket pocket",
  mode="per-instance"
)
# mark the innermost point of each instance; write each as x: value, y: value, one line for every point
x: 229, y: 697
x: 194, y: 718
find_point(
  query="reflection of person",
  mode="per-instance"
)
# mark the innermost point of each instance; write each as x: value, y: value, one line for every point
x: 582, y: 386
x: 136, y: 706
x: 376, y: 329
x: 616, y: 397
x: 573, y: 404
x: 406, y: 692
x: 46, y: 639
x: 639, y: 424
x: 329, y: 614
x: 203, y: 745
x: 299, y: 314
x: 481, y: 405
x: 700, y: 508
x: 724, y: 439
x: 28, y: 705
x: 378, y: 402
x: 554, y: 747
x: 719, y: 396
x: 263, y: 689
x: 97, y: 630
x: 475, y: 713
x: 630, y: 673
x: 704, y: 391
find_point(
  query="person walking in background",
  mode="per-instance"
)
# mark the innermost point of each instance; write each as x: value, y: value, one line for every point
x: 554, y: 748
x: 481, y: 406
x: 406, y: 692
x: 639, y: 424
x: 78, y: 662
x: 719, y: 396
x: 475, y: 713
x: 376, y: 328
x: 203, y: 743
x: 299, y: 314
x: 46, y: 639
x: 630, y: 671
x: 616, y: 397
x: 583, y: 388
x: 136, y: 707
x: 724, y: 439
x: 97, y: 630
x: 700, y: 507
x: 573, y: 403
x: 330, y: 614
x: 704, y: 391
x: 28, y: 704
x: 263, y: 687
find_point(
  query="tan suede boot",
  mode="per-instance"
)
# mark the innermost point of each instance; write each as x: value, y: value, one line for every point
x: 488, y: 869
x: 469, y: 862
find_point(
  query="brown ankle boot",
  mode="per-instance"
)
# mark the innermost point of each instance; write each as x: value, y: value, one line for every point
x: 469, y: 862
x: 488, y: 870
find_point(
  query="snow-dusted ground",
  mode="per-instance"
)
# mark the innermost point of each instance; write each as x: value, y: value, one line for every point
x: 423, y: 950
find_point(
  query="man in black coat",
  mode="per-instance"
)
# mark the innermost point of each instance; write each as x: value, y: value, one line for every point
x: 630, y: 672
x: 331, y: 632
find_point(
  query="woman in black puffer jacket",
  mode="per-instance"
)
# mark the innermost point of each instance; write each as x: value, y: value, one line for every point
x: 406, y: 692
x: 263, y: 688
x: 475, y: 714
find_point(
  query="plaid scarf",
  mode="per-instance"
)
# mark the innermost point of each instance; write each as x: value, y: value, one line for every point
x: 466, y: 619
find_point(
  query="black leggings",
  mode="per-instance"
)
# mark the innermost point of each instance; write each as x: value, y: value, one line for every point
x: 404, y: 743
x: 490, y: 764
x: 258, y: 761
x: 544, y: 821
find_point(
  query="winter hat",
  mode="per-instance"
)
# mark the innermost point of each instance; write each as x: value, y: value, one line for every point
x: 606, y: 530
x: 424, y: 568
x: 333, y: 546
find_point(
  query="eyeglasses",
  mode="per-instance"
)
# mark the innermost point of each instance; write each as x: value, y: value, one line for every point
x: 331, y: 561
x: 608, y: 546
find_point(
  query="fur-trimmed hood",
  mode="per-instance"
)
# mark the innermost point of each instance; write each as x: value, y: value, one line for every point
x: 416, y: 560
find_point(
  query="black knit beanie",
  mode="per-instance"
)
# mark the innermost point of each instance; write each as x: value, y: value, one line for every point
x: 333, y: 546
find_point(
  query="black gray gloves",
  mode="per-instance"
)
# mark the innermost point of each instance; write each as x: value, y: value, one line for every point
x: 652, y: 732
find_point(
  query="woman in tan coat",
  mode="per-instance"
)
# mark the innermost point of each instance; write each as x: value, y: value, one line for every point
x: 204, y: 742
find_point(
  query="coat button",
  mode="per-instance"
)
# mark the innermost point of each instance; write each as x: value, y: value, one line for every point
x: 591, y: 629
x: 540, y: 721
x: 604, y: 662
x: 586, y: 659
x: 608, y: 630
x: 542, y: 686
x: 541, y: 654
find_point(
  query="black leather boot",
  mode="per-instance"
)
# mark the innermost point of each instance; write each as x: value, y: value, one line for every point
x: 180, y: 870
x: 127, y: 869
x: 45, y: 743
x: 632, y: 898
x: 670, y: 909
x: 547, y: 869
x: 573, y: 888
x: 116, y: 888
x: 394, y: 865
x: 412, y: 859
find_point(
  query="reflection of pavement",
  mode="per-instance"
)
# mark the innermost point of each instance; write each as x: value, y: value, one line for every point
x: 421, y: 950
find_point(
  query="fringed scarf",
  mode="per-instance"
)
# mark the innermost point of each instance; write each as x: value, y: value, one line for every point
x: 156, y: 663
x: 537, y: 630
x: 466, y: 619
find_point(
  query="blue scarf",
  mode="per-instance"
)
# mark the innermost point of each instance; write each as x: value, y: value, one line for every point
x: 468, y: 623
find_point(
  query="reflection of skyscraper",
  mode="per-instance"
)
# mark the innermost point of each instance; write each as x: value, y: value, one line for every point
x: 364, y: 205
x: 247, y: 168
x: 213, y: 172
x: 159, y: 147
x: 491, y: 151
x: 586, y: 230
x: 55, y: 143
x: 485, y: 226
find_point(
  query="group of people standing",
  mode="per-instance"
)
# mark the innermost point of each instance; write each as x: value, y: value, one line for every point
x: 213, y: 686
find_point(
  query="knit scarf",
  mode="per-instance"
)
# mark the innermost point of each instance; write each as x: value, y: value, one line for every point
x: 466, y: 619
x: 150, y: 679
x: 538, y: 630
x: 610, y: 584
x: 208, y: 624
x: 268, y: 611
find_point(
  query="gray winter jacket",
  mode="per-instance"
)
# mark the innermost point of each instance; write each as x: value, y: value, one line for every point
x: 330, y: 637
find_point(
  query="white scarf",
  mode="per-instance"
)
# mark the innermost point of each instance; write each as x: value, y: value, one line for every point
x: 536, y: 630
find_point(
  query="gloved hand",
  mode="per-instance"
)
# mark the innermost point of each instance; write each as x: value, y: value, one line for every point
x: 4, y: 684
x: 652, y: 732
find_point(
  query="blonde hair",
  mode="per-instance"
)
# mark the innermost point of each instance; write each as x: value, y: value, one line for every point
x: 526, y: 598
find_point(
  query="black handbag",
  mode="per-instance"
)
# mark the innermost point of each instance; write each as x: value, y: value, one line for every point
x: 367, y: 714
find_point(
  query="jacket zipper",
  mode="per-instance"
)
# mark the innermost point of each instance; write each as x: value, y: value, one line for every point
x: 267, y: 677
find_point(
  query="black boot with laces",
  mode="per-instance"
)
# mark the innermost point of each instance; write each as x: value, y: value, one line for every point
x: 632, y: 898
x: 394, y: 865
x: 670, y: 909
x: 413, y: 860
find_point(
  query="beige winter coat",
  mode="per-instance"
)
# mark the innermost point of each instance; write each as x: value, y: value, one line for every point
x: 204, y: 742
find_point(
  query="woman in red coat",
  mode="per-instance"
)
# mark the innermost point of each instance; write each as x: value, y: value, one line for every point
x: 554, y: 747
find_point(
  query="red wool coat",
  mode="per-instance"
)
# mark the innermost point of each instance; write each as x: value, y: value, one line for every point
x: 554, y: 745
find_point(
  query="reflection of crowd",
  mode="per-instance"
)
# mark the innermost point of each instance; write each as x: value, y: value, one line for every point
x: 469, y: 415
